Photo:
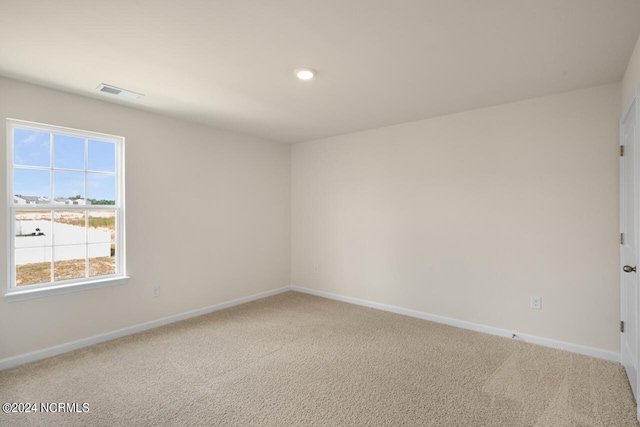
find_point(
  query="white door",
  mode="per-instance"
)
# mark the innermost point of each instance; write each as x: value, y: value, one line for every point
x: 629, y: 221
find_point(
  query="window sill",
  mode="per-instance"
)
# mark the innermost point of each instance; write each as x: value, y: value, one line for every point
x: 23, y: 294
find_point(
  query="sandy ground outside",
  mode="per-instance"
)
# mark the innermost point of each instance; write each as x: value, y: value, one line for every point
x: 41, y: 272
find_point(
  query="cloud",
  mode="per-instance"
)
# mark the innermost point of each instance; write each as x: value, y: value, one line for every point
x: 32, y: 137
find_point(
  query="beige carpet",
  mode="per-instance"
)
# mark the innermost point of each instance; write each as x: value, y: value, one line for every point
x: 299, y: 360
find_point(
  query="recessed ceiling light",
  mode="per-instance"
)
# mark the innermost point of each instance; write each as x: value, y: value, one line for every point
x: 305, y: 73
x: 123, y: 93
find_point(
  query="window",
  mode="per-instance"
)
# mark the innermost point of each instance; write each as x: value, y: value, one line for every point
x: 66, y: 209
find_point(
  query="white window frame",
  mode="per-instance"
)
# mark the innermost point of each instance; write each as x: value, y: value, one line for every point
x: 15, y: 293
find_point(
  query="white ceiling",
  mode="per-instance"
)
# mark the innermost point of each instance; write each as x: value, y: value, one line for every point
x: 229, y: 63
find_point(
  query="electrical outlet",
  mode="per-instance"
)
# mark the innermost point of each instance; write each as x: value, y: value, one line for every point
x: 536, y: 302
x: 155, y: 292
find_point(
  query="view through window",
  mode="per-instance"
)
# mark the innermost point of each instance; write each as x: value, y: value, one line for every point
x: 66, y: 205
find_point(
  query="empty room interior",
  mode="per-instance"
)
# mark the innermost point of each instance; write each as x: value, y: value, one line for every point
x: 335, y: 213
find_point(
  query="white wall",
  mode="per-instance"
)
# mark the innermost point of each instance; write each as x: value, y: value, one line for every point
x: 632, y: 75
x: 35, y: 249
x: 464, y: 216
x: 241, y: 191
x: 468, y: 215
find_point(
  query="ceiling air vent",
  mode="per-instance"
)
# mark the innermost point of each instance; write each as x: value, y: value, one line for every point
x: 116, y: 91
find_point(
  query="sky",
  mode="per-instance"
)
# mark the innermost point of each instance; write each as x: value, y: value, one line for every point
x: 34, y: 149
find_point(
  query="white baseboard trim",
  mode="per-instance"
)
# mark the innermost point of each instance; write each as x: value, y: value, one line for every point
x: 21, y: 359
x: 33, y: 356
x: 546, y: 342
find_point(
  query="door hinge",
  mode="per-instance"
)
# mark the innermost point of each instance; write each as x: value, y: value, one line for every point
x: 621, y: 150
x: 622, y: 238
x: 621, y: 326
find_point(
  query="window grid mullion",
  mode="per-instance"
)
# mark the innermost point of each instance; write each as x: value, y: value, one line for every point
x: 51, y: 199
x: 51, y: 183
x: 53, y: 247
x: 86, y: 212
x: 86, y: 243
x: 86, y: 166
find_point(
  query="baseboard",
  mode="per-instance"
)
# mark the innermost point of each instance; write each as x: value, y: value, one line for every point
x: 33, y: 356
x: 546, y: 342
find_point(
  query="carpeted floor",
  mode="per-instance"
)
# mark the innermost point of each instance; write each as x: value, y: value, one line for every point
x: 299, y: 360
